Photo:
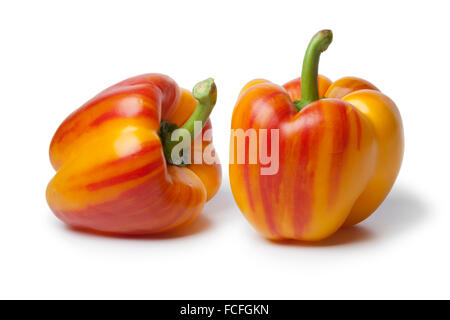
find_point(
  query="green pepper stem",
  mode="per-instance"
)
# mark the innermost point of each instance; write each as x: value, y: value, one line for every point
x: 309, y: 81
x: 205, y: 92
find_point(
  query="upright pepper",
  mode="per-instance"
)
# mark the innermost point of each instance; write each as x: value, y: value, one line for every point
x: 112, y: 172
x: 340, y: 150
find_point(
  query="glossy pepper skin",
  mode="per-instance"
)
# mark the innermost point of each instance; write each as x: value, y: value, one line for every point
x: 112, y: 175
x: 338, y: 155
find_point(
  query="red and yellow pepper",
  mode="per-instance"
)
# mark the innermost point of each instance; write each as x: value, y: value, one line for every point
x: 112, y: 172
x: 340, y: 150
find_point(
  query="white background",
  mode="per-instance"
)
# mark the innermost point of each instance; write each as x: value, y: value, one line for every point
x: 55, y: 55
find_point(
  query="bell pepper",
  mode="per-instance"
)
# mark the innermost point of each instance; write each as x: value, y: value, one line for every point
x: 113, y: 174
x: 340, y: 149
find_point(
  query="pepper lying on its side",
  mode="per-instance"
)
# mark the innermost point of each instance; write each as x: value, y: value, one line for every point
x: 112, y: 173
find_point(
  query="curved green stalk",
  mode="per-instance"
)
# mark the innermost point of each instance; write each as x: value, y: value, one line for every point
x: 206, y: 94
x: 309, y: 81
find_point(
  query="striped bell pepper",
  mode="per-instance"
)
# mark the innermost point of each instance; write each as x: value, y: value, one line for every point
x: 340, y: 147
x: 113, y: 175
